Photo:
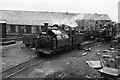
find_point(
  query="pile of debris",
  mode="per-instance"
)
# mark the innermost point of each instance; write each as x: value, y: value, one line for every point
x: 106, y: 65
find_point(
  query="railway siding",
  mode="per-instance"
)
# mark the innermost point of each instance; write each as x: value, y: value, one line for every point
x: 15, y: 54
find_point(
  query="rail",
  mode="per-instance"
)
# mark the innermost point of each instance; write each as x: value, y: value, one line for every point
x: 18, y: 68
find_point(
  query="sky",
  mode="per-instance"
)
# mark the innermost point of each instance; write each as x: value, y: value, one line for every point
x: 109, y: 7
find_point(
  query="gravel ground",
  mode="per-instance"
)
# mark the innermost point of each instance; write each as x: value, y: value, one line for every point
x: 15, y: 54
x: 68, y: 65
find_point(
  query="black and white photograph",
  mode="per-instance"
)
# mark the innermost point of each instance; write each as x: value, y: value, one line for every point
x: 60, y: 39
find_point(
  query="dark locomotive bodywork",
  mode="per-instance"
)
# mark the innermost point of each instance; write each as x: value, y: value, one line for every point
x: 56, y: 39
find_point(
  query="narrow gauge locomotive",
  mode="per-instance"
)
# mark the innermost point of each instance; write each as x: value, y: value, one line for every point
x: 57, y: 38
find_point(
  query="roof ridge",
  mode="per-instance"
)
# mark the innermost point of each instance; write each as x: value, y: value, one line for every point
x: 38, y: 11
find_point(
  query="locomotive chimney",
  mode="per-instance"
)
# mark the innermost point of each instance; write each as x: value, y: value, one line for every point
x: 45, y: 27
x: 45, y: 24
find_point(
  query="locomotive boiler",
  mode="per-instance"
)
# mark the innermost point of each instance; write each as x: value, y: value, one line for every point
x: 57, y: 38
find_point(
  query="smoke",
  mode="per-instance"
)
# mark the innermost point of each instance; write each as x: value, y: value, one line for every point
x: 68, y: 20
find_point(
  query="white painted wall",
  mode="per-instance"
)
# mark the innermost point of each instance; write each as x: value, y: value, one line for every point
x: 119, y: 12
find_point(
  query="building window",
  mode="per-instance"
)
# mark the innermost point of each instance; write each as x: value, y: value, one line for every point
x: 23, y: 29
x: 28, y: 29
x: 12, y: 28
x: 35, y: 29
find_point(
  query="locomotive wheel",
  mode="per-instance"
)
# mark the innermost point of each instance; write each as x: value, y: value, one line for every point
x: 40, y: 54
x: 27, y: 45
x: 67, y: 50
x: 37, y: 53
x: 80, y: 47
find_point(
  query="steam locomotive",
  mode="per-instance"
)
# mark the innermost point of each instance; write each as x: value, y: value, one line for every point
x: 57, y: 38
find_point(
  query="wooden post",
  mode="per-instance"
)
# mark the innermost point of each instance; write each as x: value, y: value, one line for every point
x: 2, y: 29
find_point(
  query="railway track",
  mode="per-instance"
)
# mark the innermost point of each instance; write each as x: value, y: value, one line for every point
x: 6, y: 74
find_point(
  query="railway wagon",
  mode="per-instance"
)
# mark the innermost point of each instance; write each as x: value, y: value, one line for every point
x: 54, y: 39
x: 29, y: 40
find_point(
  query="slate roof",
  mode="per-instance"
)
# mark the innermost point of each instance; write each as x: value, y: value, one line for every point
x: 40, y: 17
x: 34, y: 17
x: 95, y: 17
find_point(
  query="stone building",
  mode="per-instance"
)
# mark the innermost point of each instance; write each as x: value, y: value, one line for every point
x: 20, y: 23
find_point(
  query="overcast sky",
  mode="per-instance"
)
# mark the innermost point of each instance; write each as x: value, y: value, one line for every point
x: 109, y: 7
